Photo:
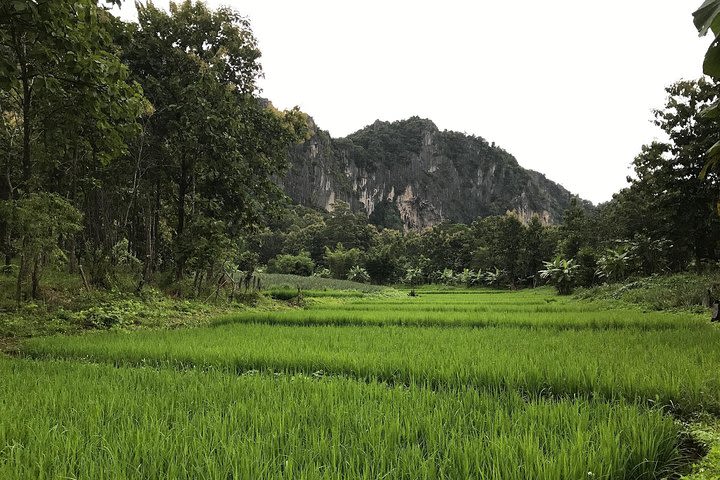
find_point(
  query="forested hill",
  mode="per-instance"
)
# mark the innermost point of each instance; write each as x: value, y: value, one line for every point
x: 410, y: 174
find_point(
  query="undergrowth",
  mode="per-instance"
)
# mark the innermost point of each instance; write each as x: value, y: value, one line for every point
x: 686, y: 291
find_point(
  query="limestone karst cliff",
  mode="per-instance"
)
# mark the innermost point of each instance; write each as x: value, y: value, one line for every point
x: 409, y: 174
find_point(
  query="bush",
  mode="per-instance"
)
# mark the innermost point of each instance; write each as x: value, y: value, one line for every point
x: 340, y: 260
x: 447, y: 277
x: 300, y: 264
x: 322, y: 273
x: 284, y: 294
x: 662, y: 292
x: 561, y: 273
x: 358, y: 274
x: 106, y: 316
x: 413, y: 276
x: 493, y: 278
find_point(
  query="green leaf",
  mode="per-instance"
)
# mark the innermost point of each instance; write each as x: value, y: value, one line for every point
x: 711, y: 65
x: 713, y: 160
x: 712, y: 111
x: 707, y: 17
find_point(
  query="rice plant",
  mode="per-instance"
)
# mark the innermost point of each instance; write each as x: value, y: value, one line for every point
x: 447, y: 384
x: 674, y: 368
x: 62, y: 420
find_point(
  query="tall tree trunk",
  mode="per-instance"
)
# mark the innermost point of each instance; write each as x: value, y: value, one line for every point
x: 72, y: 254
x: 21, y: 273
x: 27, y: 131
x: 37, y: 266
x: 182, y: 193
x: 149, y: 247
x: 156, y: 224
x: 7, y: 247
x: 6, y: 194
x: 20, y: 50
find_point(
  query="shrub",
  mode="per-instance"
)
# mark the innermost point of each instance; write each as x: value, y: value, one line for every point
x: 615, y: 264
x: 561, y: 273
x: 494, y: 278
x: 322, y: 273
x: 661, y: 292
x: 468, y: 277
x: 300, y: 264
x: 284, y: 294
x: 340, y: 260
x: 358, y: 274
x: 447, y: 277
x: 413, y: 276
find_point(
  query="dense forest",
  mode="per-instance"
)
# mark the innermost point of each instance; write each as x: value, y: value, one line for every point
x: 138, y: 145
x: 145, y: 149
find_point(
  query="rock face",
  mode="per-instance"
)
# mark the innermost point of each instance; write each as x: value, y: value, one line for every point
x: 410, y: 175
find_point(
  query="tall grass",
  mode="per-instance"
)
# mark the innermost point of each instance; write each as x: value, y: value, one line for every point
x: 367, y: 385
x: 62, y: 420
x: 454, y: 316
x: 538, y: 308
x: 662, y: 292
x: 277, y: 280
x: 675, y: 368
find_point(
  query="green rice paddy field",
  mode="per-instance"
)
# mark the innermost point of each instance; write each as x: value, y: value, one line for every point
x: 449, y: 384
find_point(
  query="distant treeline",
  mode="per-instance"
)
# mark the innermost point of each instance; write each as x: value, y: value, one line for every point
x: 664, y: 221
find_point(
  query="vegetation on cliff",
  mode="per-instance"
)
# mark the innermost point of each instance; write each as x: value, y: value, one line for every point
x: 418, y: 176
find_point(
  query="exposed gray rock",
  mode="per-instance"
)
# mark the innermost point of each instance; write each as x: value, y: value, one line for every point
x: 410, y: 173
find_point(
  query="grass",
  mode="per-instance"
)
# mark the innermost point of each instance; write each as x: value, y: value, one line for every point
x: 284, y: 293
x: 677, y: 369
x: 706, y: 431
x: 63, y: 420
x: 473, y: 316
x: 663, y: 292
x: 67, y: 307
x: 472, y: 308
x: 372, y: 384
x: 293, y: 282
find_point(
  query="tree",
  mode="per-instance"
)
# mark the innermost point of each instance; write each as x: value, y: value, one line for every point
x: 539, y: 245
x: 447, y: 245
x: 300, y: 264
x: 615, y: 264
x: 575, y: 230
x: 39, y: 221
x: 349, y: 228
x: 55, y: 58
x: 341, y: 260
x: 67, y: 104
x: 706, y: 19
x: 680, y: 202
x: 213, y: 142
x: 501, y: 244
x: 385, y: 259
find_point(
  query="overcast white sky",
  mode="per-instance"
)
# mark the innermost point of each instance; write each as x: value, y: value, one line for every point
x: 566, y: 86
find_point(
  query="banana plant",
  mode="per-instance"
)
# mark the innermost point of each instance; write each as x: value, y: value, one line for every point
x: 707, y: 19
x: 561, y: 273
